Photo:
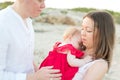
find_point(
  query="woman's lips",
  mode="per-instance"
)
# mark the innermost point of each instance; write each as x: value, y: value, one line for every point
x: 83, y: 40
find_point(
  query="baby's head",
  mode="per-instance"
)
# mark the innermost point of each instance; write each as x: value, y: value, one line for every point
x: 73, y: 36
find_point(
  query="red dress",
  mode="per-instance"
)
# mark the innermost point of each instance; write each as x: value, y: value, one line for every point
x: 59, y: 60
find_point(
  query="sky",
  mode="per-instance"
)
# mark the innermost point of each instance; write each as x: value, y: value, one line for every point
x: 99, y: 4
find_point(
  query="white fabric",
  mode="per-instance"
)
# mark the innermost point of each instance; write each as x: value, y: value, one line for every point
x: 83, y: 69
x: 16, y: 46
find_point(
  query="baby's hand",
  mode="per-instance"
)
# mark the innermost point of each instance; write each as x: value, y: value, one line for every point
x: 87, y: 59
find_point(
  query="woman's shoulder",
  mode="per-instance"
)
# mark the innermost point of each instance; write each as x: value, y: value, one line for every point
x: 97, y: 70
x: 99, y: 65
x: 94, y: 70
x: 96, y: 64
x: 100, y: 62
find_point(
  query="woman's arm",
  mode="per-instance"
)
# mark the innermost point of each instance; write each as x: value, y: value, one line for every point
x: 96, y: 71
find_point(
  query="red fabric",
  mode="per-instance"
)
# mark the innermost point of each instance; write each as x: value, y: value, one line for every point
x: 59, y: 60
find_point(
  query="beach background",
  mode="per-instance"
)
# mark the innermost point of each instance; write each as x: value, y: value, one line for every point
x: 51, y: 24
x: 49, y: 28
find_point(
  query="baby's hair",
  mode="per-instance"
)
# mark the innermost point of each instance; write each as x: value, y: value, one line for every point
x: 70, y: 32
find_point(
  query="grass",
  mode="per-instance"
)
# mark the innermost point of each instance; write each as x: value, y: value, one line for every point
x: 5, y: 4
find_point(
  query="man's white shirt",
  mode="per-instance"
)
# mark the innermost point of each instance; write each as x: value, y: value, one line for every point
x: 16, y: 46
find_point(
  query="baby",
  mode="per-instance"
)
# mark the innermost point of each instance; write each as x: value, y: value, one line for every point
x: 67, y: 55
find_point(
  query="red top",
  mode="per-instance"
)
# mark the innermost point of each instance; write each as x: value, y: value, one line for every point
x: 59, y: 60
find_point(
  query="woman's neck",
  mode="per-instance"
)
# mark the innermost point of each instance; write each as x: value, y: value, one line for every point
x: 89, y: 52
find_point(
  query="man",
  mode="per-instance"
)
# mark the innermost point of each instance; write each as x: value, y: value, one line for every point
x: 17, y: 43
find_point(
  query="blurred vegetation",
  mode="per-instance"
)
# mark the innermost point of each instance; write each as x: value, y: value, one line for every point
x: 116, y: 15
x: 5, y: 4
x: 82, y: 9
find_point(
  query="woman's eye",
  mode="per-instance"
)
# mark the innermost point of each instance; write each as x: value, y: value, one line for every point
x: 89, y: 31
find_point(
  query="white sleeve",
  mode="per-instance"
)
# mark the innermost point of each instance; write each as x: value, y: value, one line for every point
x: 4, y: 42
x: 12, y: 76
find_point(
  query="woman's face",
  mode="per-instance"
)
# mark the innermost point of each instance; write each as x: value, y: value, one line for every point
x: 87, y: 32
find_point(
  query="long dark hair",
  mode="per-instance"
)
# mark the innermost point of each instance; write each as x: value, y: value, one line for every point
x: 104, y: 41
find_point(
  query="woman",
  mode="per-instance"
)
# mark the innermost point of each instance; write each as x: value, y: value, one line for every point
x: 97, y: 33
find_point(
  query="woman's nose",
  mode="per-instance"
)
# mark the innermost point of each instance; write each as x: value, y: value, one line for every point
x: 83, y: 33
